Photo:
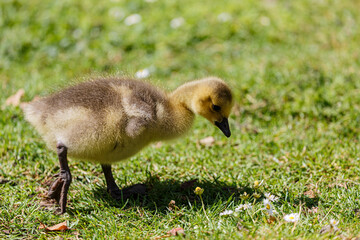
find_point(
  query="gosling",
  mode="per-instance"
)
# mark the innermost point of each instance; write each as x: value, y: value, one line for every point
x: 110, y: 119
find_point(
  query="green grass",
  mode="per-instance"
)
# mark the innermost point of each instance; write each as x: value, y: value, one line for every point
x: 294, y: 67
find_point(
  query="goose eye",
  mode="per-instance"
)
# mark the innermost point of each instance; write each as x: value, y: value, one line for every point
x: 216, y: 108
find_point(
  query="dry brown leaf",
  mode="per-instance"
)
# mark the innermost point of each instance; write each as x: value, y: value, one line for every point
x: 188, y: 184
x: 310, y: 194
x: 177, y: 232
x: 158, y: 145
x: 313, y: 210
x: 172, y: 205
x: 42, y: 226
x: 208, y: 141
x: 58, y: 227
x: 357, y: 212
x: 15, y: 99
x: 341, y: 185
x: 271, y: 220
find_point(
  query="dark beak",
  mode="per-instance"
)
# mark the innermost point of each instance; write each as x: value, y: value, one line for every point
x: 224, y: 127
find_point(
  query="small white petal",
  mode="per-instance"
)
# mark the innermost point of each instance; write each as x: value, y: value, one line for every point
x: 224, y: 17
x: 77, y: 33
x: 132, y: 19
x: 219, y: 224
x: 226, y: 213
x: 271, y: 197
x: 65, y: 42
x: 239, y: 208
x: 293, y: 217
x: 267, y: 204
x: 248, y: 206
x: 265, y: 21
x: 268, y: 207
x: 117, y: 13
x: 333, y: 222
x: 143, y: 73
x: 177, y: 22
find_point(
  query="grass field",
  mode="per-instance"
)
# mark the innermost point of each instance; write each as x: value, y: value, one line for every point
x: 294, y: 67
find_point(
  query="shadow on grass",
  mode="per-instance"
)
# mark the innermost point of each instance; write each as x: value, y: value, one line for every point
x: 160, y: 193
x: 308, y: 202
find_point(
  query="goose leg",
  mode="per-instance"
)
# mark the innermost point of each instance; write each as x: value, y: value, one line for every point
x: 113, y: 189
x: 59, y: 188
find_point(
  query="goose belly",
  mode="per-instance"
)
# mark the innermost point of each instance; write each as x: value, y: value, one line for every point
x: 121, y: 150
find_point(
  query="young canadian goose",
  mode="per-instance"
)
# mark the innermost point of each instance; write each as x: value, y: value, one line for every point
x: 111, y: 119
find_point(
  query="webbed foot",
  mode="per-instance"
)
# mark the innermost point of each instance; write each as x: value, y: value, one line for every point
x: 128, y: 192
x: 115, y: 192
x: 60, y: 187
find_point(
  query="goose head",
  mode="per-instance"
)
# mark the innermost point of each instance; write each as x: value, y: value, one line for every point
x: 213, y: 100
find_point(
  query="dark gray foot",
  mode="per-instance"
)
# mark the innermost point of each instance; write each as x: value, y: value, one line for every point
x: 129, y: 192
x: 115, y: 192
x: 60, y: 187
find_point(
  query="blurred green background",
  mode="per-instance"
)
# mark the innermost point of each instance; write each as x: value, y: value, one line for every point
x: 293, y: 56
x: 294, y: 67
